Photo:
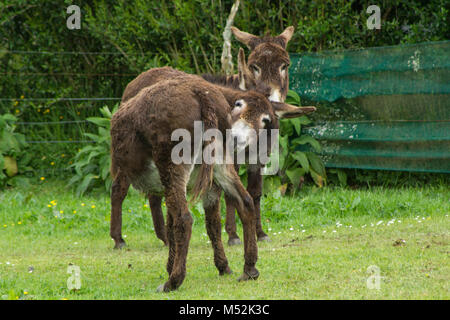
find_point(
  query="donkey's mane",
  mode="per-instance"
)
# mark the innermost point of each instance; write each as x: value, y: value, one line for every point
x: 222, y: 80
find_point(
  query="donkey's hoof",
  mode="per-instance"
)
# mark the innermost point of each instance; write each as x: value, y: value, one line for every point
x: 161, y: 288
x: 226, y: 271
x: 252, y: 275
x: 120, y: 245
x: 234, y: 241
x: 264, y: 238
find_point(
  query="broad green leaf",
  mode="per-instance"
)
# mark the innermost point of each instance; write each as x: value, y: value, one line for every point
x: 293, y: 98
x: 82, y: 187
x: 307, y: 139
x: 318, y: 179
x: 294, y: 176
x: 102, y: 122
x: 316, y: 164
x: 10, y: 165
x: 297, y: 125
x: 302, y: 158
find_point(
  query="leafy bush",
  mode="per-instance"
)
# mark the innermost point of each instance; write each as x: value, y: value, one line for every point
x: 13, y: 158
x: 92, y: 163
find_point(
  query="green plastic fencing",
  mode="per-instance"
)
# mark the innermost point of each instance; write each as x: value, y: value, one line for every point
x: 379, y: 108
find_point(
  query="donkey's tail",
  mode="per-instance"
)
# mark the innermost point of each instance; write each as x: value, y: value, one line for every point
x: 209, y: 119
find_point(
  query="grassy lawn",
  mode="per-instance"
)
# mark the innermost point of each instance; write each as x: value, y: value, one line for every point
x: 323, y: 242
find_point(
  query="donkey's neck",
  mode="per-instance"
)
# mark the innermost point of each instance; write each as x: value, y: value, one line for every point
x: 230, y: 94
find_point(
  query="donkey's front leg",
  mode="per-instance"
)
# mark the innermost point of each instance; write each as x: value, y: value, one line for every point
x: 246, y: 210
x: 247, y: 216
x: 211, y: 204
x: 254, y: 187
x: 230, y: 219
x: 230, y: 222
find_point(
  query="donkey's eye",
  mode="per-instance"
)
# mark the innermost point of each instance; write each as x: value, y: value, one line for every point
x: 238, y: 103
x: 284, y: 67
x: 254, y: 68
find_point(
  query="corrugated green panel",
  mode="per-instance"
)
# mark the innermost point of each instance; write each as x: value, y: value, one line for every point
x: 411, y: 145
x: 379, y: 108
x: 406, y: 69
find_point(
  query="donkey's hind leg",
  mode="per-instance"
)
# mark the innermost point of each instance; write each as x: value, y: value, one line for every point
x: 158, y: 217
x: 230, y: 222
x: 211, y: 204
x: 179, y: 224
x: 118, y: 193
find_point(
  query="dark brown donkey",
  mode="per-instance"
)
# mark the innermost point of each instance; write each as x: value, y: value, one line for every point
x: 268, y: 63
x: 142, y: 155
x: 267, y: 73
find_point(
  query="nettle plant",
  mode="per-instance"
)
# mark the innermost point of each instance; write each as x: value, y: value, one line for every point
x: 13, y: 158
x: 294, y: 160
x: 92, y: 163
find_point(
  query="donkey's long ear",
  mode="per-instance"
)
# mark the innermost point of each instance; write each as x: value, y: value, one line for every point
x: 244, y: 73
x: 246, y: 38
x: 285, y: 36
x: 284, y: 110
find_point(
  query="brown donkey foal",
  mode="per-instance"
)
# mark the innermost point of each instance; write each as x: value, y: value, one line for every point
x: 269, y: 62
x: 142, y: 155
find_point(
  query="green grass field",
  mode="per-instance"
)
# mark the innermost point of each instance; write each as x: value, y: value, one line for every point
x: 324, y: 242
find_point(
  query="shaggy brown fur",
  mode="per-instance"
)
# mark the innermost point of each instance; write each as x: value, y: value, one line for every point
x: 141, y: 155
x: 268, y: 60
x: 269, y: 55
